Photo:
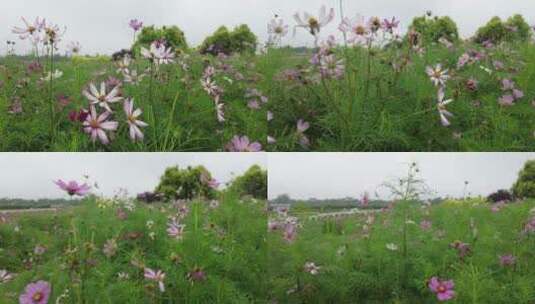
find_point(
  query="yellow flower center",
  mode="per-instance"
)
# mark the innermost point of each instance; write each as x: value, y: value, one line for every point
x: 37, y: 296
x: 313, y: 22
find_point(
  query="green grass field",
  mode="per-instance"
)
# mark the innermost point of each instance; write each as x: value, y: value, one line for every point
x: 220, y: 258
x: 389, y: 256
x: 383, y: 100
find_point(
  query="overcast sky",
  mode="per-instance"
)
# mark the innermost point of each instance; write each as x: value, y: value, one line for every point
x: 337, y: 175
x: 31, y: 175
x: 102, y: 25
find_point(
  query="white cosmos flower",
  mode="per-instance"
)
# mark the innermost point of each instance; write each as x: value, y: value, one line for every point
x: 102, y: 98
x: 392, y: 247
x: 52, y: 76
x: 134, y: 123
x: 30, y: 30
x: 441, y: 106
x: 438, y: 75
x: 314, y: 24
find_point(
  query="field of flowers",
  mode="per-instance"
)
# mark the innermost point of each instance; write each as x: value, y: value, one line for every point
x: 113, y: 251
x: 458, y: 251
x: 369, y: 88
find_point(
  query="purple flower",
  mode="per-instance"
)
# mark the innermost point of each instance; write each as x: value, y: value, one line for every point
x: 197, y: 275
x: 157, y: 276
x: 518, y: 94
x: 36, y: 293
x: 175, y: 230
x: 443, y: 289
x: 506, y: 100
x: 507, y: 260
x: 302, y: 126
x: 135, y: 24
x: 73, y: 188
x: 242, y: 144
x: 507, y: 84
x: 390, y: 25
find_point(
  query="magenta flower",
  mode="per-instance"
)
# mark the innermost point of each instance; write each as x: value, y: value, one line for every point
x: 73, y: 188
x: 197, y: 275
x: 210, y: 182
x: 390, y: 25
x: 97, y: 125
x: 36, y: 293
x: 507, y: 260
x: 134, y: 123
x: 242, y: 144
x: 135, y: 24
x: 157, y: 276
x: 443, y: 289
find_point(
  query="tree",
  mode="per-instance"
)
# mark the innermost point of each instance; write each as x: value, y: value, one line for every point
x: 525, y: 184
x: 253, y: 183
x: 514, y: 29
x: 173, y: 36
x: 239, y: 40
x: 432, y: 29
x: 186, y: 183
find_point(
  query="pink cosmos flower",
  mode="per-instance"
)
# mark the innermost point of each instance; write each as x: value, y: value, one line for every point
x: 507, y: 84
x: 134, y: 123
x: 302, y: 126
x: 73, y: 188
x: 357, y: 28
x: 210, y: 182
x: 314, y: 24
x: 158, y: 53
x: 506, y: 100
x: 197, y: 275
x: 426, y: 224
x: 242, y: 144
x: 175, y: 230
x: 30, y: 30
x: 157, y: 276
x: 135, y: 24
x: 443, y: 289
x: 98, y: 125
x: 290, y: 232
x: 102, y: 98
x: 390, y: 25
x: 36, y: 293
x: 507, y: 260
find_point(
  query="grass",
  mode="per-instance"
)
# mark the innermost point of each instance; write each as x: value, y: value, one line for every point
x: 181, y: 116
x: 244, y: 264
x: 227, y: 243
x: 375, y: 107
x: 383, y: 101
x: 357, y: 267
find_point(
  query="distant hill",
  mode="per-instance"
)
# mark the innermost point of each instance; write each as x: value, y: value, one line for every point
x: 15, y: 203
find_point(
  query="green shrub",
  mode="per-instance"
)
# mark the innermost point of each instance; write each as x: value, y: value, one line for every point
x: 186, y: 183
x: 514, y: 29
x: 432, y: 29
x: 253, y: 183
x: 525, y: 185
x: 173, y: 36
x: 239, y: 40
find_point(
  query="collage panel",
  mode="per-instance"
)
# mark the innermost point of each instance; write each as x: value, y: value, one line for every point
x: 274, y: 76
x: 402, y: 227
x: 93, y: 228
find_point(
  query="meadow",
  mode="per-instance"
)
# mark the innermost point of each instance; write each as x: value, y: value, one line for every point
x: 472, y: 251
x: 367, y: 88
x: 113, y: 251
